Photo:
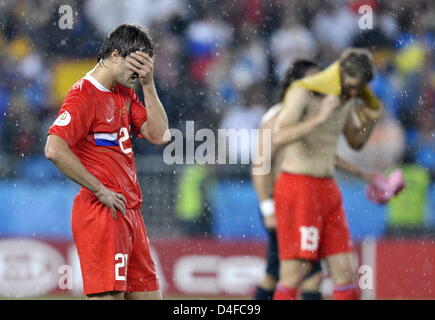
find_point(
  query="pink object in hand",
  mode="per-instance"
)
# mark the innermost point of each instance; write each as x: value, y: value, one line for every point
x: 382, y: 188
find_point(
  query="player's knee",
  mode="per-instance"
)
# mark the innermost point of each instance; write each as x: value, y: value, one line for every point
x: 292, y: 273
x: 344, y: 274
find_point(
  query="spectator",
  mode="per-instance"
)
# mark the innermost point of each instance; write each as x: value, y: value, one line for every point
x: 204, y: 38
x: 333, y: 27
x: 209, y: 59
x: 250, y: 59
x: 193, y: 208
x: 425, y: 141
x: 245, y: 116
x: 293, y: 40
x: 145, y: 13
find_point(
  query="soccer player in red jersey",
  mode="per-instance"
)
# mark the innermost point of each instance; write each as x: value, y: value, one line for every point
x: 90, y: 143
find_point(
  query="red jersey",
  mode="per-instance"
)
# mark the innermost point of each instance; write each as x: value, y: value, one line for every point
x: 97, y: 124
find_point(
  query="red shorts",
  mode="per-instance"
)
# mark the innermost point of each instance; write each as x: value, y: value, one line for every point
x: 311, y: 223
x: 114, y: 254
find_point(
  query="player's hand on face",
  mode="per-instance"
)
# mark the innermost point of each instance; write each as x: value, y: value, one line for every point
x: 327, y: 106
x: 114, y: 201
x: 270, y: 222
x: 141, y: 63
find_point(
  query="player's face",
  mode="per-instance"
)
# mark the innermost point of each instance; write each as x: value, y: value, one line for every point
x: 123, y: 75
x: 351, y: 86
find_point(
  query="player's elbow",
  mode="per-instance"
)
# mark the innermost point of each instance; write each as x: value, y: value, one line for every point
x: 162, y: 138
x: 50, y: 152
x: 159, y: 136
x: 159, y: 142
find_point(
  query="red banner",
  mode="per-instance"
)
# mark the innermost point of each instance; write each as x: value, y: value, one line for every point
x: 199, y: 268
x: 196, y: 267
x: 405, y: 269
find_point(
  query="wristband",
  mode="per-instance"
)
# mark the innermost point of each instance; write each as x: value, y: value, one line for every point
x: 267, y: 207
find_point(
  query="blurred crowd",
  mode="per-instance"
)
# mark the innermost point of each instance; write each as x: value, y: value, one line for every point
x: 217, y: 62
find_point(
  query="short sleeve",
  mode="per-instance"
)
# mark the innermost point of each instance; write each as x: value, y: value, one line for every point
x: 138, y: 114
x: 74, y: 118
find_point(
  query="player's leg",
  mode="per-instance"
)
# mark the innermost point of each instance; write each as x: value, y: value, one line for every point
x: 144, y: 295
x: 103, y: 246
x: 337, y: 250
x: 111, y: 295
x: 265, y: 288
x: 298, y: 225
x: 292, y: 272
x: 310, y: 287
x: 343, y: 274
x: 268, y: 283
x: 340, y: 268
x: 142, y: 282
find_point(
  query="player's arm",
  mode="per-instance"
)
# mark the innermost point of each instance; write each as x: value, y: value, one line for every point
x: 263, y: 183
x: 155, y: 129
x: 350, y: 168
x: 288, y: 127
x: 58, y: 152
x: 360, y: 124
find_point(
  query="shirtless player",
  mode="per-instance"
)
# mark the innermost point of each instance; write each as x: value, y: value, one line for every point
x: 311, y: 224
x: 264, y: 185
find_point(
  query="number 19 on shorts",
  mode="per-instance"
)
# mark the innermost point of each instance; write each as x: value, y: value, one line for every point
x: 122, y: 264
x: 309, y: 238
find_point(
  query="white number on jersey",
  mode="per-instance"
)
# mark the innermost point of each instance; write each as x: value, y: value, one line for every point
x: 124, y: 136
x: 122, y: 264
x: 309, y: 238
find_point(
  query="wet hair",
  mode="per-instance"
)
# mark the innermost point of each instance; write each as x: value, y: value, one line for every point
x: 296, y: 71
x: 357, y: 63
x: 126, y: 38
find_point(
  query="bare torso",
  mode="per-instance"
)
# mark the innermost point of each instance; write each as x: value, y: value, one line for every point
x: 314, y: 153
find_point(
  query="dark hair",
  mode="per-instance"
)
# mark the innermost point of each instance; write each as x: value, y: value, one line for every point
x: 126, y: 38
x: 296, y: 71
x: 357, y: 62
x: 372, y: 40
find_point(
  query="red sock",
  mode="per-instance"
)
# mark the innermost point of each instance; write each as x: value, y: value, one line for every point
x: 285, y: 293
x: 347, y: 291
